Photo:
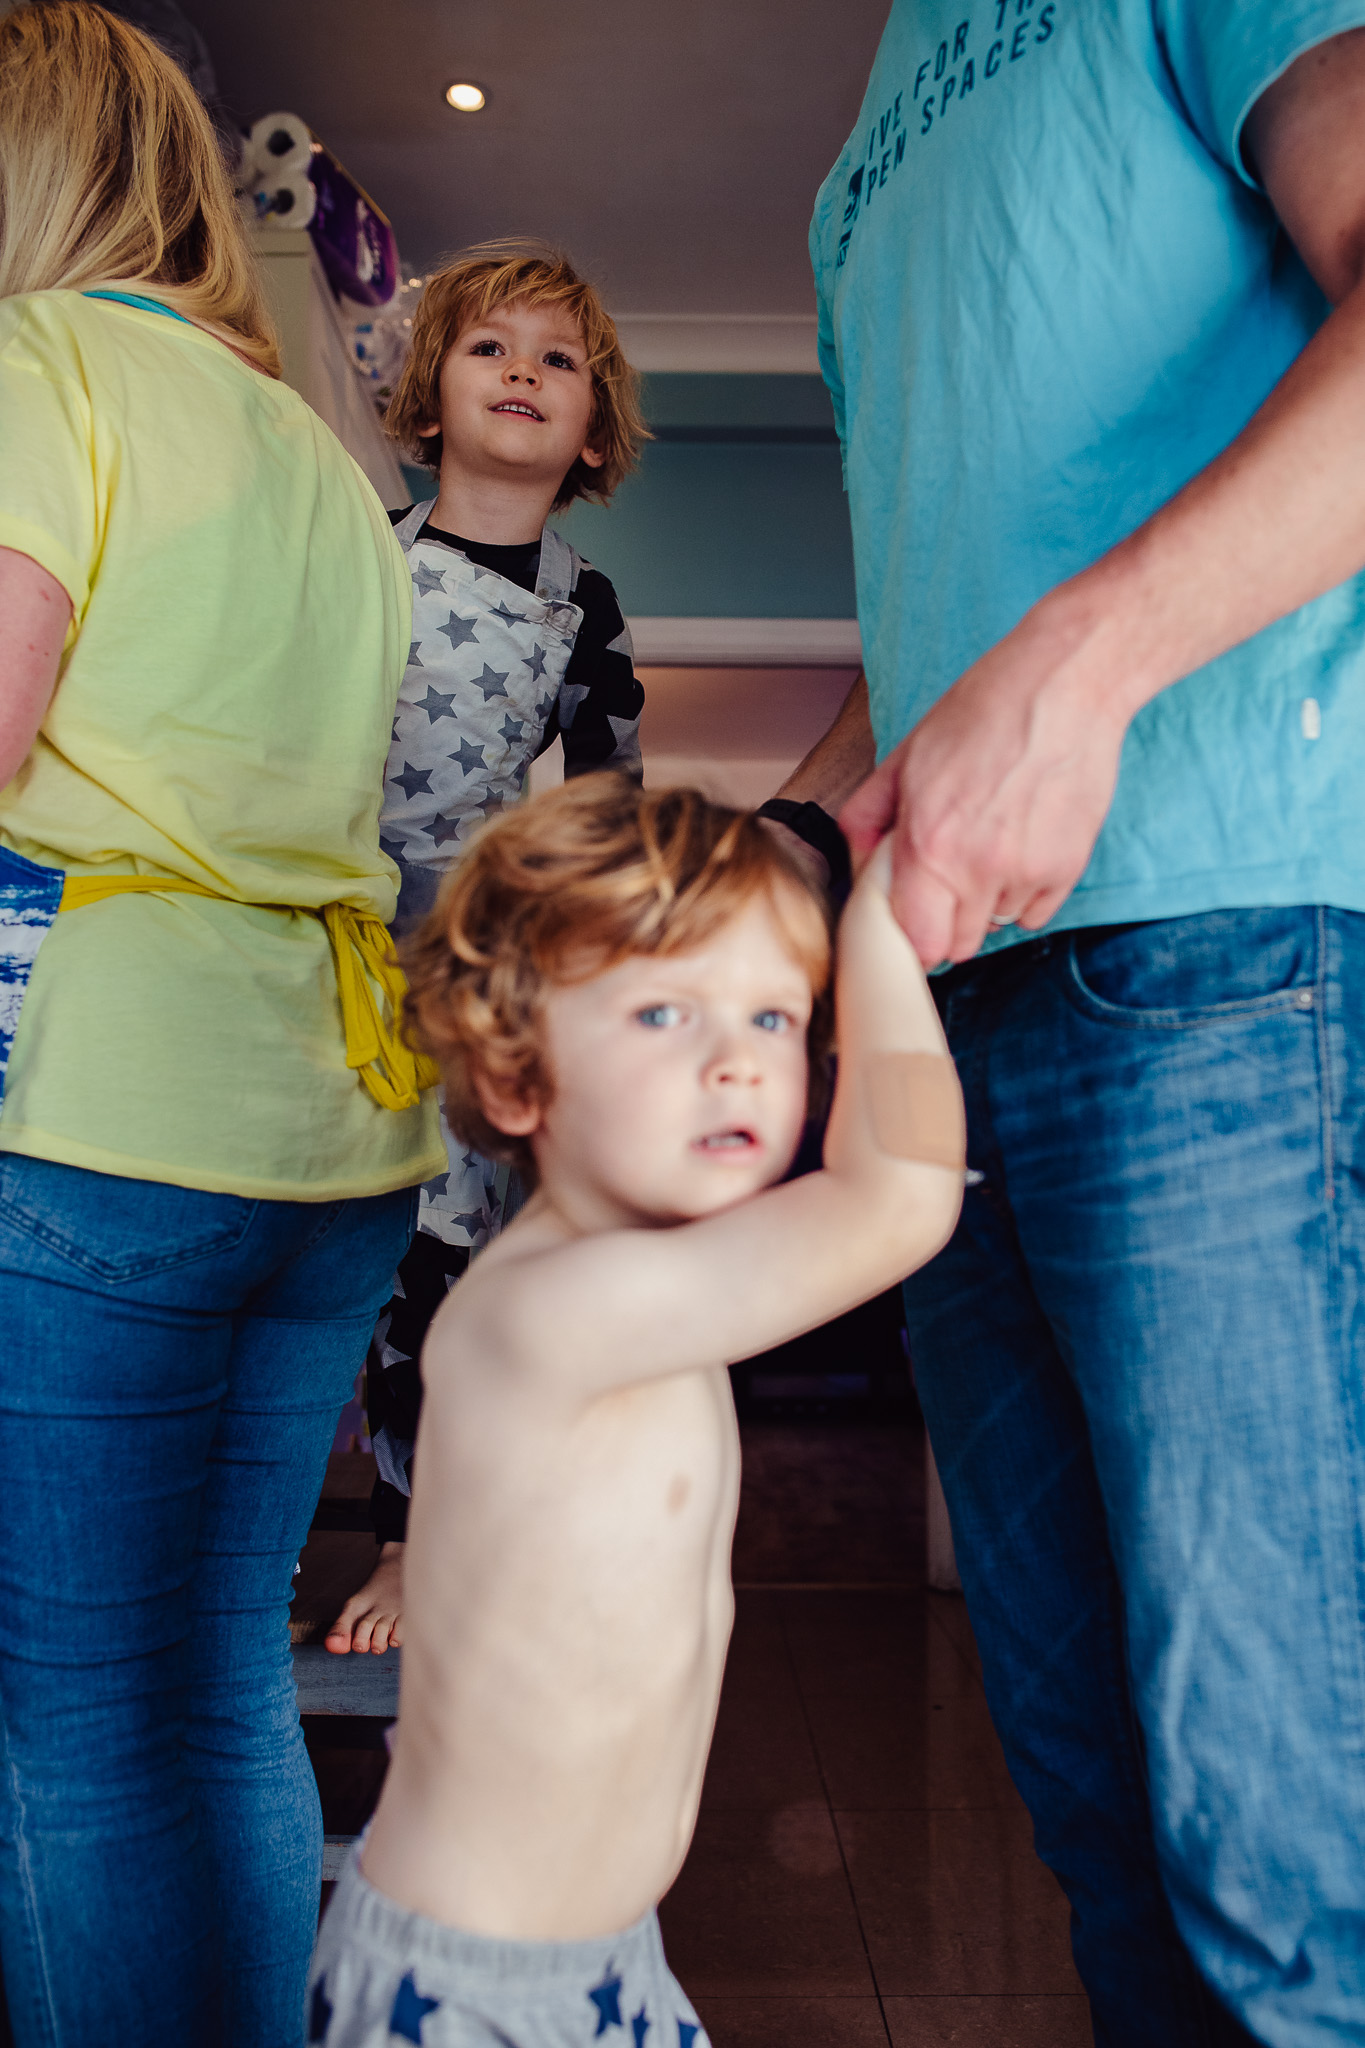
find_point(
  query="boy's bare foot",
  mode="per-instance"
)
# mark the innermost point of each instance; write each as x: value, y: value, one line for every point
x: 372, y: 1619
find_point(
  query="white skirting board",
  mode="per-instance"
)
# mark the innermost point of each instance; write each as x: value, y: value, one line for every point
x: 746, y: 643
x: 728, y: 342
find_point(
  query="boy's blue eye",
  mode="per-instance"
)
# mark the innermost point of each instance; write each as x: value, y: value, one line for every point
x: 557, y: 360
x: 773, y: 1020
x: 486, y: 348
x: 659, y: 1016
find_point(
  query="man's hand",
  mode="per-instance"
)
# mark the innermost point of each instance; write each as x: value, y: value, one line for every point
x: 997, y: 797
x: 999, y: 793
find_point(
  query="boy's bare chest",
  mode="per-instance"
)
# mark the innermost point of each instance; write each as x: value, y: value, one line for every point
x: 669, y: 1449
x: 644, y: 1480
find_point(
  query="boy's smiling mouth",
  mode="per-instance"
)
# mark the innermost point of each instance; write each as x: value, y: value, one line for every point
x: 518, y: 405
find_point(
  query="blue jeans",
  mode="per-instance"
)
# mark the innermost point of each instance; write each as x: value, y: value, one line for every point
x: 1140, y: 1362
x: 173, y: 1367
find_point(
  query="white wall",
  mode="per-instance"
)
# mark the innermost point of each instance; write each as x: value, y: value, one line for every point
x: 735, y: 733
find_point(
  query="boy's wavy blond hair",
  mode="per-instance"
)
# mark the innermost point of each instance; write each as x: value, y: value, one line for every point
x: 505, y: 273
x: 111, y: 175
x: 565, y: 887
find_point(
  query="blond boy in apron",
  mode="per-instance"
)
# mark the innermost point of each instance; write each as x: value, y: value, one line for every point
x: 518, y: 397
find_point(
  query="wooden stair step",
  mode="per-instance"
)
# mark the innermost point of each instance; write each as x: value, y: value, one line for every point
x: 353, y: 1685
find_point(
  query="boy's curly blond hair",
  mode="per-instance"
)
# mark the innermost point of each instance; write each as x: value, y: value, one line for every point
x: 506, y: 273
x: 565, y: 887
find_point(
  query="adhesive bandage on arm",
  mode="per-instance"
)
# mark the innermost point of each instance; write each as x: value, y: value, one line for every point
x: 915, y: 1106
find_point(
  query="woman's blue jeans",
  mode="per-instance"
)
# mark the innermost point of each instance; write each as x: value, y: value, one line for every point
x: 173, y: 1367
x: 1141, y: 1361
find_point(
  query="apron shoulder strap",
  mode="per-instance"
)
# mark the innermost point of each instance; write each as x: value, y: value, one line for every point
x: 411, y: 524
x: 558, y: 568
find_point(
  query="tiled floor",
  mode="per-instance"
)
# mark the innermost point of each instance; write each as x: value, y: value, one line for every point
x: 862, y: 1872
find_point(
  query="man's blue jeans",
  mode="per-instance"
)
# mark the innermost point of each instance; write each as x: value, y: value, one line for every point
x: 173, y: 1365
x: 1140, y: 1360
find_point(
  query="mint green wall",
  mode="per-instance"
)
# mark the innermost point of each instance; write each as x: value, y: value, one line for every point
x: 675, y: 400
x: 736, y: 511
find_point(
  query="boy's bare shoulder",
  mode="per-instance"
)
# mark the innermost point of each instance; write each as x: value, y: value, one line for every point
x: 578, y: 1315
x: 540, y: 1298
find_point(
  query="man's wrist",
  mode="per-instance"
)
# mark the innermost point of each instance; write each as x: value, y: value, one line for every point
x: 813, y: 825
x: 1102, y: 636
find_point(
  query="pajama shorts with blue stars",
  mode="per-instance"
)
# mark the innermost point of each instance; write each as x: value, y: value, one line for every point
x: 381, y: 1974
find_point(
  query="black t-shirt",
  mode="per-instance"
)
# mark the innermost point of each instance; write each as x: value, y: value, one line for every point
x: 613, y: 690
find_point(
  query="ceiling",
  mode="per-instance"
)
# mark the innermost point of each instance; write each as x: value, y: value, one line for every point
x: 675, y: 149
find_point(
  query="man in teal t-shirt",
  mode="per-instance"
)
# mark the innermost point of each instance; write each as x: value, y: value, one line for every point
x: 1093, y: 317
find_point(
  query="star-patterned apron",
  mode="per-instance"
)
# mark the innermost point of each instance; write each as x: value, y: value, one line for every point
x: 483, y: 676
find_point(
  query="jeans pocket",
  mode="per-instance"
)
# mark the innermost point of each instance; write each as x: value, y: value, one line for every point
x: 116, y: 1229
x: 1181, y: 972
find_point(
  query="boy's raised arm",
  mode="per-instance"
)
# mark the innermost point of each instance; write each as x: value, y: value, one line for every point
x: 897, y: 1108
x: 656, y: 1302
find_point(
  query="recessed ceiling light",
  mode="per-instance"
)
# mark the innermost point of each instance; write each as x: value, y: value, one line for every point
x: 466, y: 98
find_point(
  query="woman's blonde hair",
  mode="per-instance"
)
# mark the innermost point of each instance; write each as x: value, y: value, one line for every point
x: 506, y: 273
x: 110, y: 174
x: 564, y: 887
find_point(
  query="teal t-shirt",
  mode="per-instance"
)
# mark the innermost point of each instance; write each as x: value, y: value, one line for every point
x: 1050, y: 292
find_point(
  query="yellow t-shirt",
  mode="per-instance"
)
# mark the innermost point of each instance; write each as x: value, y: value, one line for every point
x: 241, y: 625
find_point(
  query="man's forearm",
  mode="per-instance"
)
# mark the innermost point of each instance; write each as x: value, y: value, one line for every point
x: 1279, y: 517
x: 836, y: 764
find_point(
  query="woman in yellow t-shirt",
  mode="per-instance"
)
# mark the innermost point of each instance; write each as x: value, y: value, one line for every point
x: 211, y: 1134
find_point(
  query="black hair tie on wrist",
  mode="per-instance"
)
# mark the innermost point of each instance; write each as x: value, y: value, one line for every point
x: 809, y: 822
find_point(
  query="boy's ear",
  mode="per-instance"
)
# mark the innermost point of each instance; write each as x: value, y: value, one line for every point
x: 425, y: 433
x: 516, y: 1112
x: 594, y: 457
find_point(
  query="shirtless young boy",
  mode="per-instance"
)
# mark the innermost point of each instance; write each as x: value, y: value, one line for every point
x: 621, y: 988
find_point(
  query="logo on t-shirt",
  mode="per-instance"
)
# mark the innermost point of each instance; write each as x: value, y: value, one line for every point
x: 961, y: 65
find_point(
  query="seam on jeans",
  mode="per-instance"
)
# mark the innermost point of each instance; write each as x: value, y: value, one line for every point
x: 1179, y: 1961
x: 1326, y: 1093
x: 1122, y: 1018
x: 328, y: 1216
x: 28, y: 1894
x: 332, y: 1210
x: 1347, y: 1447
x: 983, y: 1146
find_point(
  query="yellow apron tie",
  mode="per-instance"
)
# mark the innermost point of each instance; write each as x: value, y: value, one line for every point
x: 363, y: 956
x: 363, y: 952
